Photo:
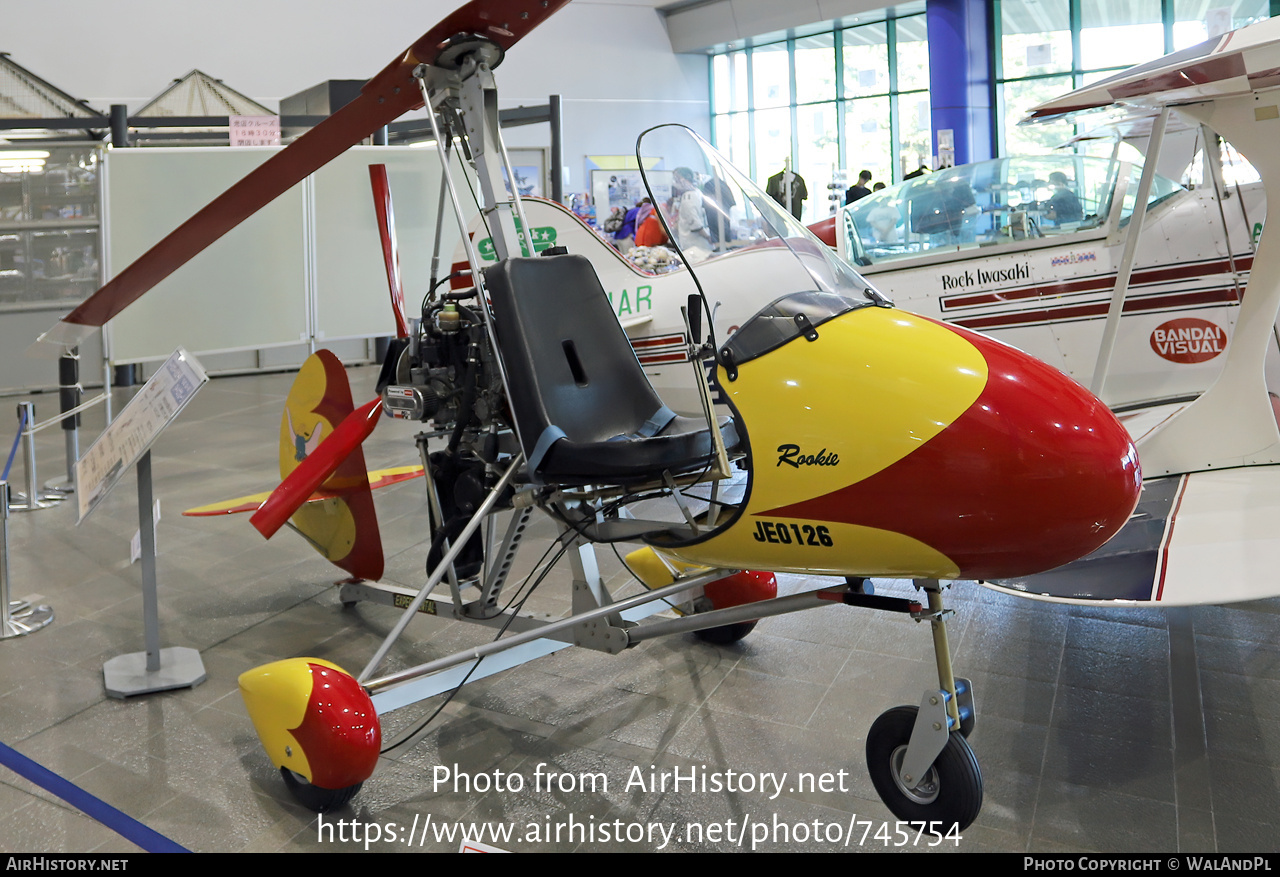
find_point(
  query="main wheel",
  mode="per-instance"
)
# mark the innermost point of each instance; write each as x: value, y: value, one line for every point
x: 738, y: 589
x: 949, y: 794
x: 315, y: 798
x: 726, y: 634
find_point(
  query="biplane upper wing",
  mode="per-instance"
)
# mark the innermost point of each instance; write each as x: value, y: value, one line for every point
x: 1236, y: 63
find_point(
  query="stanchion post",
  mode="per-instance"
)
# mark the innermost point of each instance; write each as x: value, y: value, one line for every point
x: 29, y: 456
x: 33, y: 499
x: 4, y: 557
x: 19, y: 617
x: 147, y: 536
x: 69, y: 395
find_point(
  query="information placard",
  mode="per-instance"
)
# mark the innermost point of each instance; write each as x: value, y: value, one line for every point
x: 255, y: 130
x: 129, y: 436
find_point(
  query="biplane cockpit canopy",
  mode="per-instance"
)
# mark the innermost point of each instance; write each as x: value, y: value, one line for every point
x: 990, y: 203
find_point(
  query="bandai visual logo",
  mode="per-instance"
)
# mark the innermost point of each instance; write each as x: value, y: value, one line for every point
x: 1188, y: 340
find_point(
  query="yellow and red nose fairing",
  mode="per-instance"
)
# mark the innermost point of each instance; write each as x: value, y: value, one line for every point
x: 315, y: 719
x: 897, y: 445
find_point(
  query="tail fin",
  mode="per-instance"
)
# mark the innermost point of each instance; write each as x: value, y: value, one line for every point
x: 344, y: 527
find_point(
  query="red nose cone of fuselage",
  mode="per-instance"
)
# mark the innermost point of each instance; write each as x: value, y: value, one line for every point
x: 1037, y: 472
x: 1054, y: 470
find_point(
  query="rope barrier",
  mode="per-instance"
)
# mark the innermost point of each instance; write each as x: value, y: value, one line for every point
x: 64, y: 415
x: 122, y: 824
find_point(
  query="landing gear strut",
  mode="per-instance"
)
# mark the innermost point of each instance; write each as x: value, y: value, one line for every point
x: 918, y: 757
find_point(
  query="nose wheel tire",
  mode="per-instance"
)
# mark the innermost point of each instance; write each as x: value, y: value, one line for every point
x: 315, y: 798
x: 948, y: 795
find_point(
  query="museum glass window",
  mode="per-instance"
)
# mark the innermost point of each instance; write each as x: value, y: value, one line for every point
x: 834, y: 101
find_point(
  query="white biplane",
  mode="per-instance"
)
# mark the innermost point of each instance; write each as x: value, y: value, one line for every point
x: 1002, y: 263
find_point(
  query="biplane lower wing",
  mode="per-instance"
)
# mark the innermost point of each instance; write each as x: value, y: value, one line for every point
x: 1207, y: 526
x: 1203, y: 537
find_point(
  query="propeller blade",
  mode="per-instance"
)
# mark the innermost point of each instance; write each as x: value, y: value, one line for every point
x: 390, y: 251
x: 316, y: 468
x: 384, y: 98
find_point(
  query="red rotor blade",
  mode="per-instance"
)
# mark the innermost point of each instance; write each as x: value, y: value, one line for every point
x: 313, y: 471
x: 390, y: 251
x: 383, y: 99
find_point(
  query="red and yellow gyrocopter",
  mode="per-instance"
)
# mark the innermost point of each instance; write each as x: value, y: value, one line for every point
x: 854, y: 440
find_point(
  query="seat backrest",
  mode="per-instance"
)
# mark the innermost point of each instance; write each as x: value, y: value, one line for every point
x: 568, y: 360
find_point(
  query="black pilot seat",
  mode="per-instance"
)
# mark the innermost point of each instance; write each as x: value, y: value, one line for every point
x: 585, y: 409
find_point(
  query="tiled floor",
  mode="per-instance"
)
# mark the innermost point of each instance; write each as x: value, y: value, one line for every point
x: 1097, y: 731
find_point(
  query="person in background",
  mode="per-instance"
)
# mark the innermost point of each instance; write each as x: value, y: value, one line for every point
x: 787, y: 182
x: 649, y: 232
x: 884, y: 219
x: 692, y: 235
x: 718, y: 200
x: 624, y: 237
x: 860, y: 190
x: 1063, y: 205
x: 643, y: 209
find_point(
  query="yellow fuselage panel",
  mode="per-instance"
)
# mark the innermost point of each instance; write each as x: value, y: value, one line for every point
x: 818, y: 548
x: 876, y: 385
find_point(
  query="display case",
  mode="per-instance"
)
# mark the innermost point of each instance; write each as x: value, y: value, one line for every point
x: 50, y: 242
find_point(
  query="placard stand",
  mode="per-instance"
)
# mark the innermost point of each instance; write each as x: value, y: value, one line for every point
x: 127, y: 442
x: 156, y: 669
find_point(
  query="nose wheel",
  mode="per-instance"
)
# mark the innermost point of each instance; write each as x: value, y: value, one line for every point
x: 947, y: 794
x: 918, y: 757
x: 316, y: 798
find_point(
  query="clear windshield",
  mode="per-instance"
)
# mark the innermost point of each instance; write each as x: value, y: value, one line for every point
x: 746, y: 252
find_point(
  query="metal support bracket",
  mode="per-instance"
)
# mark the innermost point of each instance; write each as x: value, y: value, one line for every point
x: 928, y: 737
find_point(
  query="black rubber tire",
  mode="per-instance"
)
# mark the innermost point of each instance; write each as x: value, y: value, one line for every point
x: 316, y: 798
x: 726, y: 634
x: 950, y: 796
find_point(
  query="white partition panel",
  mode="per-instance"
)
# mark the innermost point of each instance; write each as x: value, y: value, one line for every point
x: 352, y: 299
x: 307, y: 265
x: 246, y: 291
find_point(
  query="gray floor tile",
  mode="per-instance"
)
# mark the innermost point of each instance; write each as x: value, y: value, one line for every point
x: 1076, y: 717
